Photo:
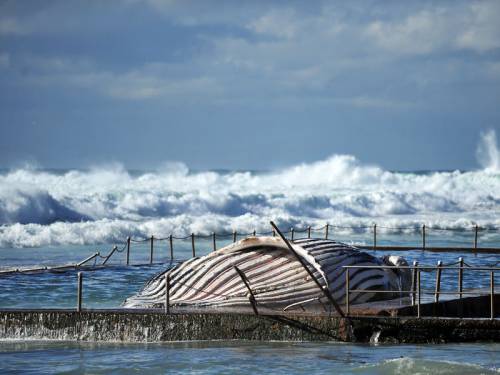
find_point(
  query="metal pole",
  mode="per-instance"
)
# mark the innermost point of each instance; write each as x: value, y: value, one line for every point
x: 167, y: 292
x: 325, y: 289
x: 213, y: 240
x: 460, y: 276
x: 309, y: 231
x: 492, y: 295
x: 192, y: 245
x: 414, y: 283
x: 438, y: 281
x: 171, y: 241
x: 234, y: 236
x: 347, y: 308
x: 109, y: 255
x: 419, y: 293
x: 292, y: 232
x: 151, y: 251
x: 423, y: 237
x: 128, y: 250
x: 475, y: 237
x: 326, y: 231
x: 374, y: 236
x: 251, y: 296
x: 79, y: 292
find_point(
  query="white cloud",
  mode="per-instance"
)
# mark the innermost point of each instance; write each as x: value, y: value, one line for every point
x: 420, y: 33
x: 482, y: 31
x: 474, y: 26
x: 147, y: 82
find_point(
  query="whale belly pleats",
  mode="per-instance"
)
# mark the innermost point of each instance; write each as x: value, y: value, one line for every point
x: 276, y: 278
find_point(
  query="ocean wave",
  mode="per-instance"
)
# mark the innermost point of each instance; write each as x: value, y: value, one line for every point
x: 98, y: 204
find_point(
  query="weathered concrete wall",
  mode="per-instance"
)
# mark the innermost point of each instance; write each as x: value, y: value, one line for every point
x: 156, y: 326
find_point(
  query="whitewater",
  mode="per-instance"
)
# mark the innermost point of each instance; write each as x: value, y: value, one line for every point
x: 106, y: 204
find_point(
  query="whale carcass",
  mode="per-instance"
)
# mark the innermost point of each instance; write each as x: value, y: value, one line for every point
x: 276, y: 278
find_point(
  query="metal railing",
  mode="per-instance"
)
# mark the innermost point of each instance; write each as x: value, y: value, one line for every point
x: 416, y: 290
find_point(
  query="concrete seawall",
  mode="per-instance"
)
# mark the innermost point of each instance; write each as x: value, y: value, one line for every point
x: 155, y: 326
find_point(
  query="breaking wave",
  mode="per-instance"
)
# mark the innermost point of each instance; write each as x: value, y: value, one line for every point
x: 40, y: 207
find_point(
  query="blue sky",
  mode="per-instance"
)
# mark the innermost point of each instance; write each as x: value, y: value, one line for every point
x: 247, y: 84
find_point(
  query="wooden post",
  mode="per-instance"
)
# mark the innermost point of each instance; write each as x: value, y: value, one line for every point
x: 167, y: 292
x: 234, y: 236
x: 326, y: 231
x: 214, y: 241
x: 309, y: 231
x: 79, y: 292
x: 128, y: 250
x: 414, y: 283
x: 419, y: 294
x: 492, y: 295
x: 460, y: 276
x: 374, y: 236
x: 171, y: 241
x: 347, y: 308
x: 192, y: 245
x: 423, y: 237
x: 292, y: 232
x: 475, y: 237
x: 438, y: 281
x: 151, y: 251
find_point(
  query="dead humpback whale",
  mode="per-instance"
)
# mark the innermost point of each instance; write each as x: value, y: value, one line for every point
x: 276, y: 278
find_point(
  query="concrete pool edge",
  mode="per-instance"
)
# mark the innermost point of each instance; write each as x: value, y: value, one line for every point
x: 154, y: 326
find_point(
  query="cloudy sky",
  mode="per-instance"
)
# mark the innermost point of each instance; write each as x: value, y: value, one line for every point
x: 247, y: 84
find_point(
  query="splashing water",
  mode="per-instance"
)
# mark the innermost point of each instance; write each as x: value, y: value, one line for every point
x: 488, y: 154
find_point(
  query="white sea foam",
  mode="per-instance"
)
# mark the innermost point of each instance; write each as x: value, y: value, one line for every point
x: 103, y: 204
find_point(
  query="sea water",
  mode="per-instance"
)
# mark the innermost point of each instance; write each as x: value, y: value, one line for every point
x: 52, y: 217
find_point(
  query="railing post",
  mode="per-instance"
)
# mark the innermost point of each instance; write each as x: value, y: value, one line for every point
x: 292, y: 231
x: 151, y: 251
x: 214, y: 241
x: 460, y: 276
x: 326, y: 231
x: 347, y: 307
x: 475, y: 237
x: 374, y: 236
x: 192, y: 245
x: 128, y: 250
x: 79, y: 292
x: 167, y: 292
x: 423, y: 237
x: 419, y: 291
x: 309, y: 231
x: 492, y: 295
x: 171, y: 241
x: 414, y: 283
x: 234, y: 236
x: 438, y: 281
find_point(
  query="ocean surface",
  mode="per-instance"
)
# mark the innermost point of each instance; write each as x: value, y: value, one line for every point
x: 54, y: 217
